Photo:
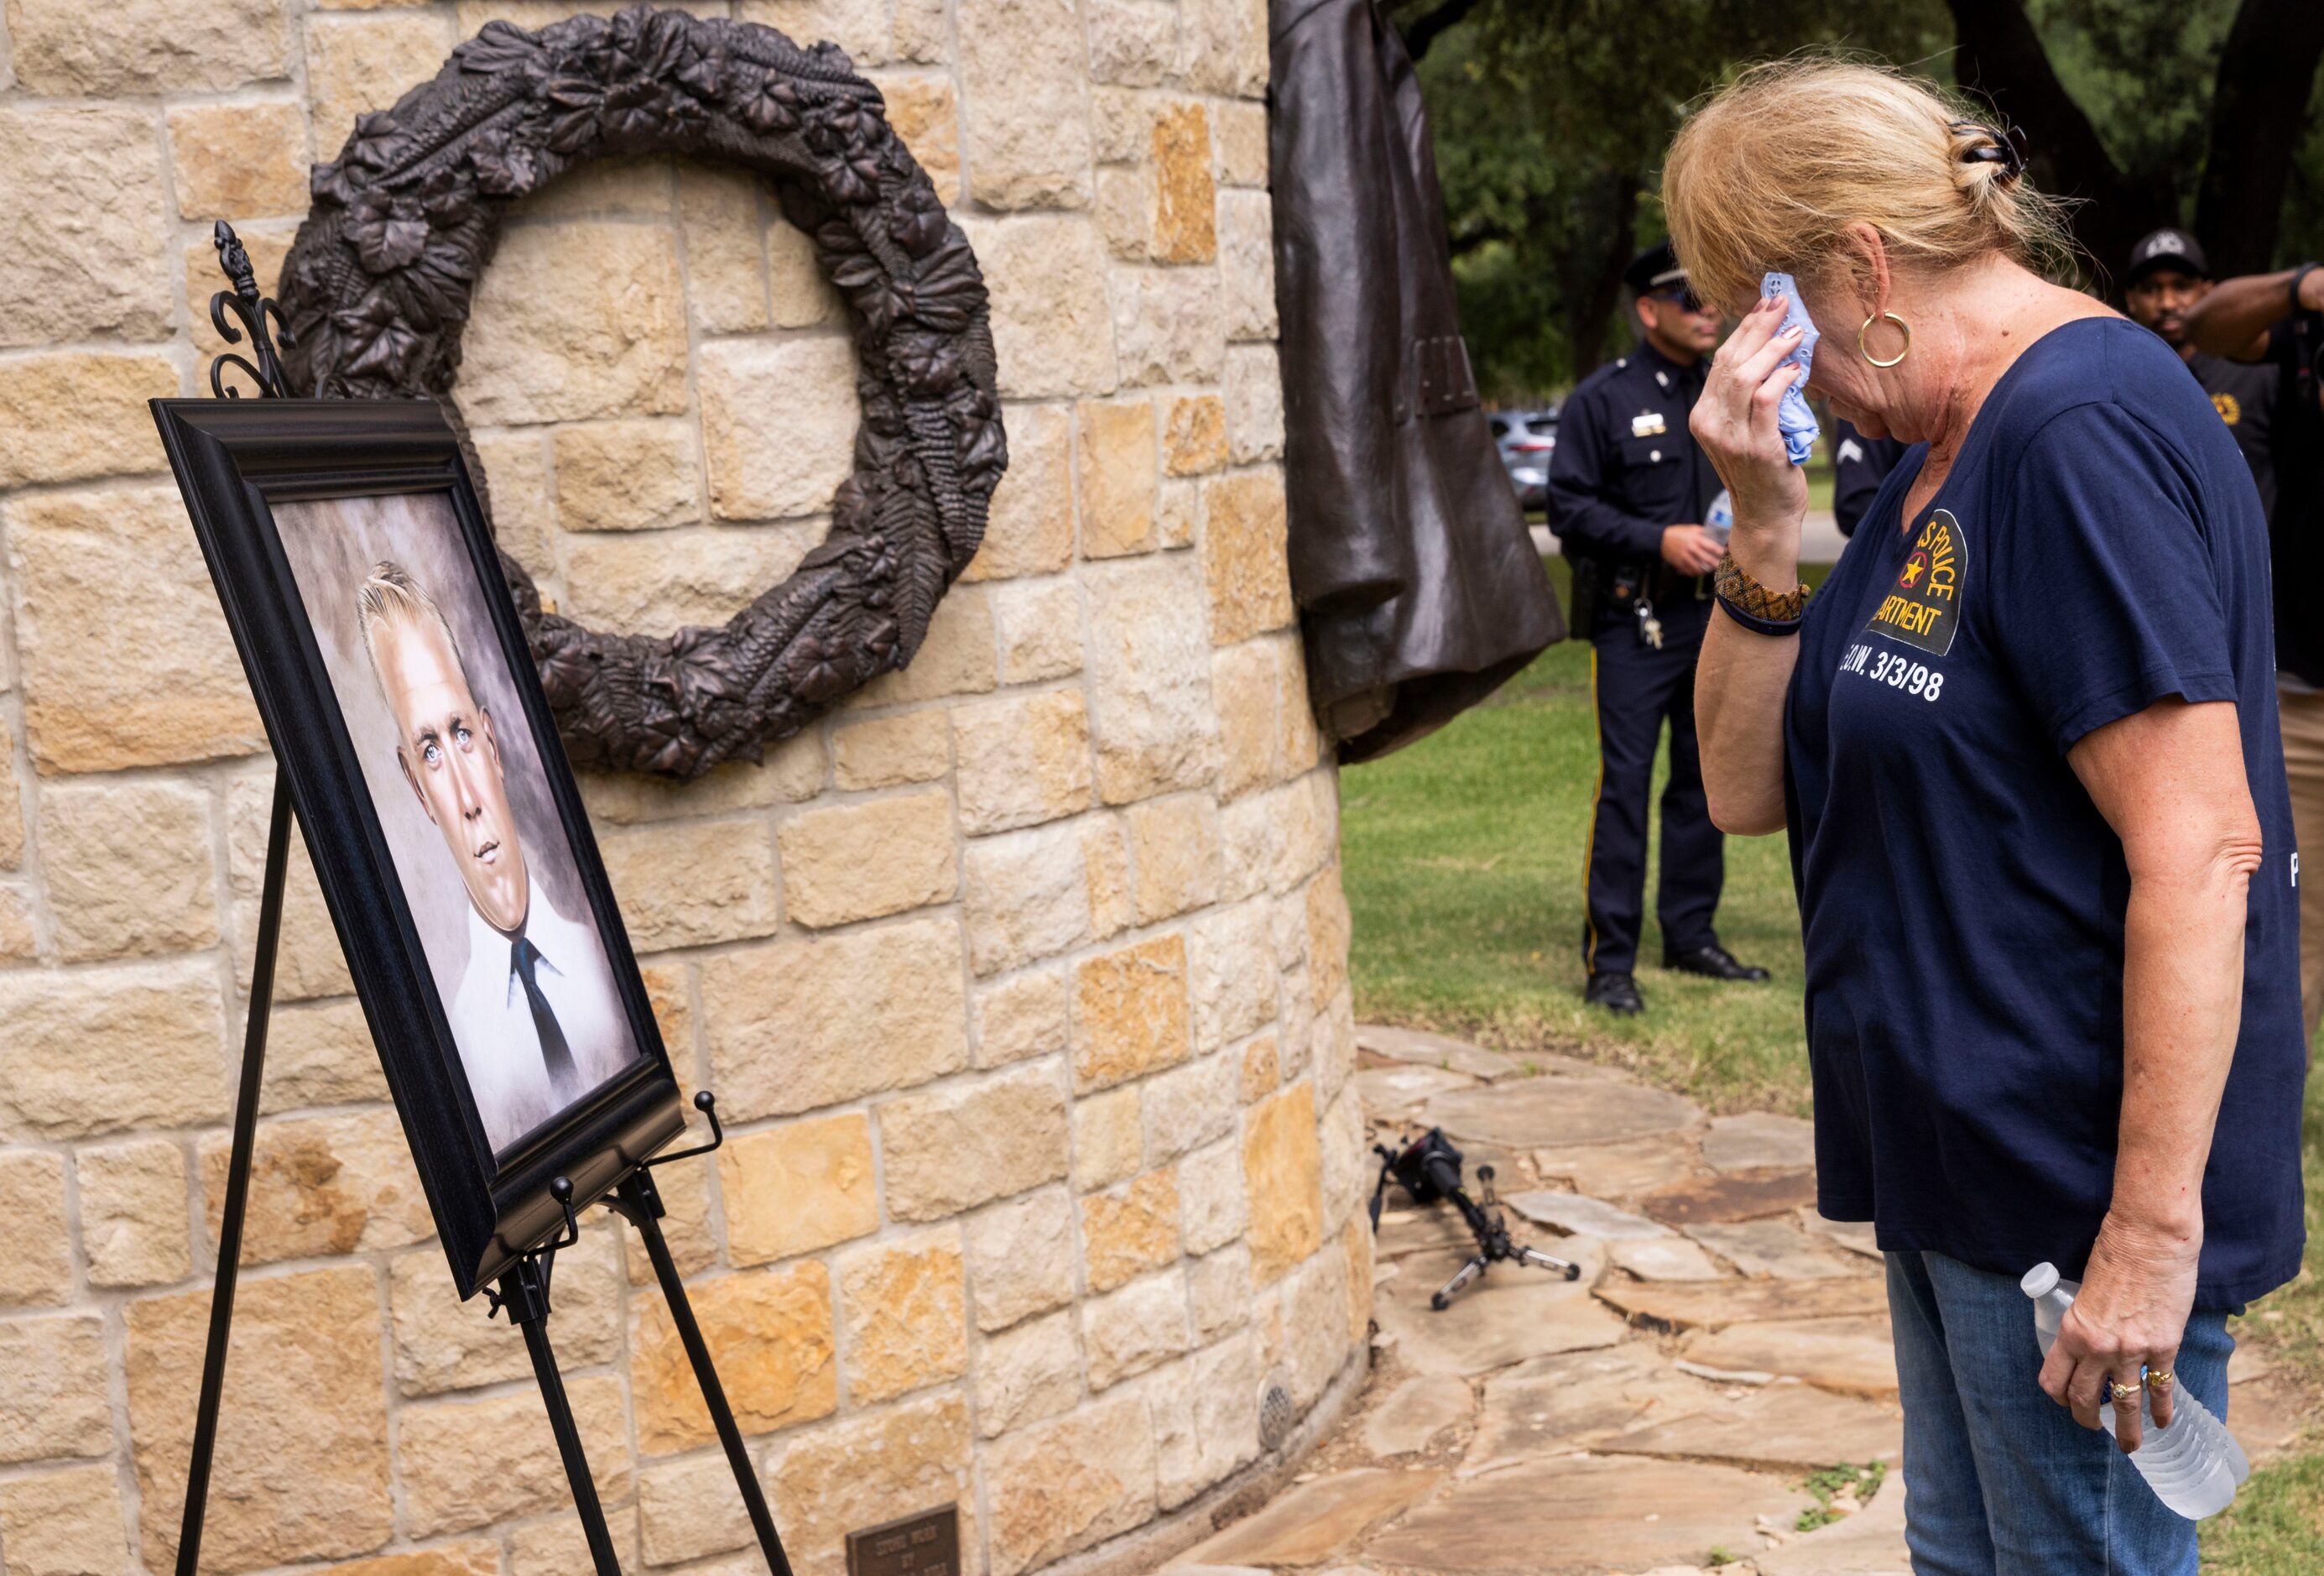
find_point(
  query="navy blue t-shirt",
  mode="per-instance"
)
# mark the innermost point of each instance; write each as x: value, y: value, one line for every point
x: 2097, y: 547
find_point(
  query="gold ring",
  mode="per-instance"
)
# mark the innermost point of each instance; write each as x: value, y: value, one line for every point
x: 2158, y: 1380
x: 2119, y: 1391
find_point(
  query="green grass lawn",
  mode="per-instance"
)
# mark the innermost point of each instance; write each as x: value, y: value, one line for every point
x: 1462, y: 861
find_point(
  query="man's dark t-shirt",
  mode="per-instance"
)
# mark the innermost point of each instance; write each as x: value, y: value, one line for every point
x: 2097, y: 548
x: 2244, y: 393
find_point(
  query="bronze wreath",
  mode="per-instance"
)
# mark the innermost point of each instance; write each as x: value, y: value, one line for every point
x: 376, y: 292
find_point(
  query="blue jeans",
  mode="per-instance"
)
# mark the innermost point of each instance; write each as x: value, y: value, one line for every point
x: 2004, y: 1481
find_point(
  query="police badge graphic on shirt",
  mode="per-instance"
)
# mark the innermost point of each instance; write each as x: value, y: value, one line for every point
x: 1922, y: 606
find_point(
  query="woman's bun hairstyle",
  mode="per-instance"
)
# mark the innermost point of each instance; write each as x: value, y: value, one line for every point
x: 1769, y: 171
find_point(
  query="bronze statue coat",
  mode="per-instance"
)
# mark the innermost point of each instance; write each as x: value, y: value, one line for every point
x: 1417, y: 582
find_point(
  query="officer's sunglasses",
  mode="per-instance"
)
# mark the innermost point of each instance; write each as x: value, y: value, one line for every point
x: 1688, y: 301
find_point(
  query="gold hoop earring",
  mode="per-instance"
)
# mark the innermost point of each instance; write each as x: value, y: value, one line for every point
x: 1889, y: 317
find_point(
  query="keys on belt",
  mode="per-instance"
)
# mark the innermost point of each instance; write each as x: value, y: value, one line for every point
x: 1650, y: 629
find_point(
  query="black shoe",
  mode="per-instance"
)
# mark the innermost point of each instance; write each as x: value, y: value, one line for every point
x: 1712, y: 962
x: 1616, y: 993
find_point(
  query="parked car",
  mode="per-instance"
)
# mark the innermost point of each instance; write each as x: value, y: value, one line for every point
x: 1525, y: 440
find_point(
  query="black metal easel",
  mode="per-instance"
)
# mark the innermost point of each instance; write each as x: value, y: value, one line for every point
x: 523, y: 1292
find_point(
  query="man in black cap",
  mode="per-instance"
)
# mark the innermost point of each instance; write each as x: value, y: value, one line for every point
x: 2168, y: 275
x: 1627, y: 494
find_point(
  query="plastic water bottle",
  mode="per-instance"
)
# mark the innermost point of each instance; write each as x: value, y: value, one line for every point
x: 2194, y: 1466
x: 1720, y: 518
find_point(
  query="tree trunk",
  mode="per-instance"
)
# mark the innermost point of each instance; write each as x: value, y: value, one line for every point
x: 2258, y: 108
x: 1600, y: 291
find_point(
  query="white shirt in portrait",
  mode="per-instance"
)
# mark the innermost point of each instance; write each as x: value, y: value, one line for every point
x: 492, y: 1022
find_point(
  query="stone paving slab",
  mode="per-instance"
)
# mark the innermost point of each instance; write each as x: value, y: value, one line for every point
x: 1587, y: 1515
x: 1758, y: 1141
x: 1314, y: 1520
x: 1742, y: 1197
x: 1418, y: 1230
x: 1427, y: 1050
x: 1787, y: 1425
x: 1388, y: 1091
x: 1555, y: 1405
x: 1552, y: 1112
x: 1871, y: 1542
x: 1855, y: 1235
x: 1622, y: 1171
x: 1850, y: 1356
x: 1572, y: 1213
x: 1416, y: 1413
x: 1513, y: 1313
x: 1773, y: 1249
x: 1714, y: 1304
x: 1663, y: 1258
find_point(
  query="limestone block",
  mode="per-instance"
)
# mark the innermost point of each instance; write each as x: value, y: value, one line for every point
x: 1108, y: 1138
x: 922, y: 30
x: 577, y: 320
x: 798, y: 294
x: 1239, y: 139
x: 1214, y: 1427
x: 519, y: 497
x: 1218, y: 1291
x: 1132, y: 43
x: 553, y: 1546
x: 798, y: 1024
x: 83, y: 221
x: 1347, y: 1168
x: 1027, y: 1373
x: 322, y: 1185
x: 1262, y: 1072
x: 618, y: 188
x: 858, y: 26
x: 1246, y: 848
x: 1190, y: 1106
x: 1254, y: 395
x: 144, y: 47
x: 956, y: 659
x: 684, y: 1190
x: 1025, y: 897
x: 779, y: 420
x: 1022, y: 69
x: 889, y: 752
x: 37, y: 1270
x: 1186, y: 199
x: 719, y: 214
x: 357, y: 64
x: 689, y: 1509
x: 1356, y: 1247
x: 1328, y: 930
x: 1169, y: 325
x: 1117, y: 450
x: 1124, y: 210
x: 1117, y: 125
x: 1131, y: 1230
x: 1149, y: 692
x: 1069, y: 1484
x: 1029, y: 529
x: 1306, y: 829
x: 1174, y: 519
x: 1195, y: 434
x: 1130, y: 1012
x: 238, y: 160
x: 1021, y: 1017
x: 654, y: 584
x: 1022, y: 760
x: 64, y: 1523
x: 793, y: 770
x: 1020, y: 1259
x: 794, y: 1188
x: 1244, y: 567
x: 113, y: 682
x: 626, y: 476
x: 1040, y: 628
x: 867, y: 1469
x: 1108, y: 853
x: 1282, y: 1165
x: 128, y: 868
x: 1211, y: 1197
x: 1298, y: 745
x: 89, y: 408
x: 770, y: 1332
x: 100, y: 1050
x: 967, y: 1143
x: 1053, y: 325
x: 907, y: 1309
x: 17, y: 942
x: 442, y: 1343
x: 471, y: 1557
x: 926, y: 115
x: 1224, y: 46
x: 1231, y: 959
x: 1246, y: 251
x: 277, y: 1495
x: 53, y: 1390
x: 320, y: 1053
x: 1128, y: 1331
x: 862, y: 861
x: 669, y: 994
x: 133, y: 1213
x: 464, y: 1464
x: 1173, y: 844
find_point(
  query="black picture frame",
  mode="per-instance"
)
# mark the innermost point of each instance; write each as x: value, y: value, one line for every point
x: 234, y: 460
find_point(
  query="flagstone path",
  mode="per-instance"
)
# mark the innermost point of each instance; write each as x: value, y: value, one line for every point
x: 1658, y: 1414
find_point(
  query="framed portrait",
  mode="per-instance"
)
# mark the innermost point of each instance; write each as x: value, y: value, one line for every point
x: 365, y: 599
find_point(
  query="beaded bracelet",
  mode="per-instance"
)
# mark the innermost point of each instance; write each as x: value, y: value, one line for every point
x: 1753, y: 605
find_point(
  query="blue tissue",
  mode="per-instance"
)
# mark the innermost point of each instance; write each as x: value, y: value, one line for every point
x: 1794, y: 418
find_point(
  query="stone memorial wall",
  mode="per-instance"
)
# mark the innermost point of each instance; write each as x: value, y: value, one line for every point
x: 1022, y: 980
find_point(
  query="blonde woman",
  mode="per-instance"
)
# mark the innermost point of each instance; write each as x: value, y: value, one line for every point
x: 2024, y: 744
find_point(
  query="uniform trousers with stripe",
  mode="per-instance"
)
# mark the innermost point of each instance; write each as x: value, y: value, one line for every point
x: 1636, y: 690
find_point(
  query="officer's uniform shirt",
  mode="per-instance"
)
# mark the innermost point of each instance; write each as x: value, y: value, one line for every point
x: 1858, y: 465
x: 2244, y: 393
x: 1627, y: 466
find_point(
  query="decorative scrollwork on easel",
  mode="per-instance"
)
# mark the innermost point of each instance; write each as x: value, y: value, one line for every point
x: 255, y: 311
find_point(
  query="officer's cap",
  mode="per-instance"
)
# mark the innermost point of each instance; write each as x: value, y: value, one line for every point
x: 1655, y: 268
x: 2167, y: 248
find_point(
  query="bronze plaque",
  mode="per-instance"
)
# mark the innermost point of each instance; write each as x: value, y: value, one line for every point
x: 927, y: 1544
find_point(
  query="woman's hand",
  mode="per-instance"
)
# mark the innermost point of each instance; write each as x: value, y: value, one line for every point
x: 2126, y: 1322
x: 1734, y: 420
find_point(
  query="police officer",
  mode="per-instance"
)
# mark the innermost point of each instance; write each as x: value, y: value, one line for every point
x: 2168, y: 275
x: 1858, y: 465
x: 1628, y: 494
